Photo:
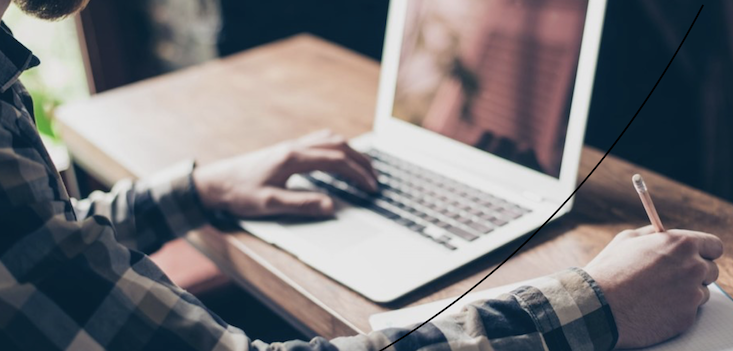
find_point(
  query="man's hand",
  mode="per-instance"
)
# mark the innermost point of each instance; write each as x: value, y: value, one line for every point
x: 253, y: 185
x: 655, y: 282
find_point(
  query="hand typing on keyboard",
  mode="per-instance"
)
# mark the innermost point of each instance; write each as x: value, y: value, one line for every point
x: 442, y: 210
x: 253, y: 185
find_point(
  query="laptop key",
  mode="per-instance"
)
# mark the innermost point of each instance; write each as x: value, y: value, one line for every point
x: 404, y: 221
x: 475, y: 212
x: 425, y: 201
x: 449, y: 246
x: 463, y: 234
x: 423, y: 215
x: 498, y: 222
x: 443, y: 225
x: 464, y: 220
x: 480, y: 228
x: 418, y: 214
x: 417, y: 227
x: 514, y: 215
x: 433, y: 232
x: 442, y: 239
x: 382, y: 211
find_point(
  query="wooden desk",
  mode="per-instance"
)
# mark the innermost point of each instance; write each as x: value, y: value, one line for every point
x: 303, y: 84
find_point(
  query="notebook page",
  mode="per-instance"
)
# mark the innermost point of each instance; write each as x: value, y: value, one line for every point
x: 713, y: 330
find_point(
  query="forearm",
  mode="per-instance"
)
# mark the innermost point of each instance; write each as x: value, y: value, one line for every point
x: 565, y: 311
x: 149, y: 212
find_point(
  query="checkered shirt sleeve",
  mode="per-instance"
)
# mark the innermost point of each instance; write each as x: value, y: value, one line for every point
x: 147, y: 213
x: 564, y: 311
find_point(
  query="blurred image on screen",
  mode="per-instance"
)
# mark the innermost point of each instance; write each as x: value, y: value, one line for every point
x: 494, y: 74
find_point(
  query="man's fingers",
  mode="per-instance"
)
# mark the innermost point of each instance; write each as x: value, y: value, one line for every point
x: 299, y: 203
x: 712, y: 273
x: 360, y: 158
x: 315, y: 137
x: 334, y: 161
x: 646, y: 230
x: 710, y: 246
x: 328, y: 140
x: 705, y: 295
x: 633, y: 233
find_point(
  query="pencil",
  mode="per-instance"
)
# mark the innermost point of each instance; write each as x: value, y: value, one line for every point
x: 646, y: 200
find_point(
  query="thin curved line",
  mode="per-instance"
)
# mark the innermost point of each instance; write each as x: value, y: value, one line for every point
x: 566, y: 200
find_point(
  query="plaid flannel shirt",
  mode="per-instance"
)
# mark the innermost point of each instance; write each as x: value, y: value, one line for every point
x: 74, y: 274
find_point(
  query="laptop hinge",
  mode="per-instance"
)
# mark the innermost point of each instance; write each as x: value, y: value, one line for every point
x: 533, y: 196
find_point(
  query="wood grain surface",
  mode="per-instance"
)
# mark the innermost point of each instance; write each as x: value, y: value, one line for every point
x: 289, y: 88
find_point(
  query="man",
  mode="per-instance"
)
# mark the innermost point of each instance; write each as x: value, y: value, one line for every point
x: 74, y: 276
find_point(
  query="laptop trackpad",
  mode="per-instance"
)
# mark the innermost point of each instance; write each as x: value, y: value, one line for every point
x: 349, y: 229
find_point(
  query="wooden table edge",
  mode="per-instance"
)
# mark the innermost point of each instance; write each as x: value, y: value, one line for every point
x: 202, y: 241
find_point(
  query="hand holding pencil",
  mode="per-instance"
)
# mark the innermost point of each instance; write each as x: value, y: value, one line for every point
x: 654, y: 283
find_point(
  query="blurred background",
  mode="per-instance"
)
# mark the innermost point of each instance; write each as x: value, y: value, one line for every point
x: 684, y: 131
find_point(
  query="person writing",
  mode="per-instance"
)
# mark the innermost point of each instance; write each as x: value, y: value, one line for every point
x: 74, y: 274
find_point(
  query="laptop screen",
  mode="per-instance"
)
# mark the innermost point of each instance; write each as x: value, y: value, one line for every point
x: 494, y: 74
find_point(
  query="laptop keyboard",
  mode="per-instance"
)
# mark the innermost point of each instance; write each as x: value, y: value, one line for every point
x: 448, y: 213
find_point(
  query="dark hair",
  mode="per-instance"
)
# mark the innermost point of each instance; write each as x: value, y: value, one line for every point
x: 50, y: 9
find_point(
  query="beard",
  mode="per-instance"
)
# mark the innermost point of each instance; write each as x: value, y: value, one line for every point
x: 50, y: 9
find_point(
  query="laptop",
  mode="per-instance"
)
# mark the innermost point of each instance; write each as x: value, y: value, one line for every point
x: 477, y: 139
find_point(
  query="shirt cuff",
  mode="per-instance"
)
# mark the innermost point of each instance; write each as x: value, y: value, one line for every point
x: 174, y: 191
x: 570, y: 311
